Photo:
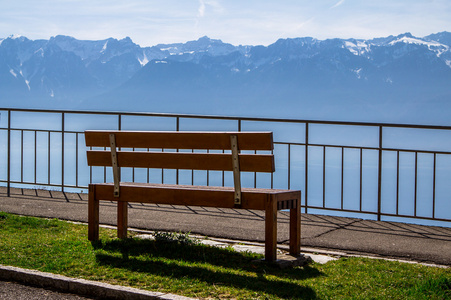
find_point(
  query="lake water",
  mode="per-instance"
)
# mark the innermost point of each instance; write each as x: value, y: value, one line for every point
x: 334, y: 173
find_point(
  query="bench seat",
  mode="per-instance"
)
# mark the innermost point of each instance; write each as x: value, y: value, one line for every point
x: 192, y: 195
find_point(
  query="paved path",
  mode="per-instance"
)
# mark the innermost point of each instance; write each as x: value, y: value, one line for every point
x: 389, y: 239
x: 16, y: 291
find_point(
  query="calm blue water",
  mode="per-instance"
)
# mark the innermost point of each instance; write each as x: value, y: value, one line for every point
x: 42, y: 161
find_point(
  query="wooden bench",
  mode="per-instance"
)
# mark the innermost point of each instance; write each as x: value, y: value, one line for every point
x: 269, y: 200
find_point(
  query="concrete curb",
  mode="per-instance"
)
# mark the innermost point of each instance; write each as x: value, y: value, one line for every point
x: 79, y: 286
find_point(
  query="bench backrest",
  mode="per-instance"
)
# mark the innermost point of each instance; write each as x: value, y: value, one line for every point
x: 232, y: 142
x: 181, y: 140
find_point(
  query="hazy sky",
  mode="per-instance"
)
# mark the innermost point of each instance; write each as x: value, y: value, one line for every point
x: 247, y: 22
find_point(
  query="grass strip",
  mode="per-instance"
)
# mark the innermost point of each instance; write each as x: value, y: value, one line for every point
x: 195, y: 270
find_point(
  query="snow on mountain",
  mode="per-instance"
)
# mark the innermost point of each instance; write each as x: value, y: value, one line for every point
x: 90, y: 51
x: 17, y: 37
x: 441, y: 37
x: 412, y: 40
x: 357, y: 47
x: 144, y: 60
x: 86, y: 50
x: 432, y: 45
x: 104, y: 47
x: 105, y: 63
x: 361, y: 47
x: 202, y: 45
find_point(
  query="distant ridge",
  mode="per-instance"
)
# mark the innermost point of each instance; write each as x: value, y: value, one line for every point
x: 403, y: 77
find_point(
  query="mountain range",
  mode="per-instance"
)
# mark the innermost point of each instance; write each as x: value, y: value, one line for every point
x: 402, y: 78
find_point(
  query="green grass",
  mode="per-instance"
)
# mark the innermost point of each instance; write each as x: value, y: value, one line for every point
x: 201, y: 271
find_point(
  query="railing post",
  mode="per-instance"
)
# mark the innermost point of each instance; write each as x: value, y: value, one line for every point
x: 306, y: 168
x: 119, y: 127
x: 177, y: 128
x: 62, y: 152
x: 289, y: 165
x: 9, y: 155
x: 379, y: 177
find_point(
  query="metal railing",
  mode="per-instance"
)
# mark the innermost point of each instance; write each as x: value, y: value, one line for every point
x: 369, y: 170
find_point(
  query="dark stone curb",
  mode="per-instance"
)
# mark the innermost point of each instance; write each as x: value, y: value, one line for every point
x: 79, y: 286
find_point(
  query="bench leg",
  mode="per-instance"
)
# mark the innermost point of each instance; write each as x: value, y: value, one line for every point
x: 122, y: 218
x: 271, y: 229
x: 295, y: 229
x: 93, y: 215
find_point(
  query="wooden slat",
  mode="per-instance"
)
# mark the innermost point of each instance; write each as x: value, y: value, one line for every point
x: 180, y: 139
x: 207, y: 196
x: 183, y: 160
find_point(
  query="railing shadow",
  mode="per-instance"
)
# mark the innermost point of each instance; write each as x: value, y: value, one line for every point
x: 161, y: 258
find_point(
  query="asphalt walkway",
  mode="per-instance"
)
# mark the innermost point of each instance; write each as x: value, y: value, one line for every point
x: 16, y: 291
x: 318, y: 233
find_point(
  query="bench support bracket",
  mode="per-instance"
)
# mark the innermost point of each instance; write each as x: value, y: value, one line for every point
x: 114, y: 164
x: 236, y: 168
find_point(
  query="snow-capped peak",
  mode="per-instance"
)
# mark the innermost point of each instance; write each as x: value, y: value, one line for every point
x: 15, y: 36
x: 357, y: 47
x: 437, y: 47
x: 412, y: 40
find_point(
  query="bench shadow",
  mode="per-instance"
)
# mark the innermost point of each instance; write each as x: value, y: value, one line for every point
x: 151, y: 257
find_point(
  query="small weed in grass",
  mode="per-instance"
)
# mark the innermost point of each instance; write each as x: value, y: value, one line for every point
x: 174, y: 263
x: 173, y: 237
